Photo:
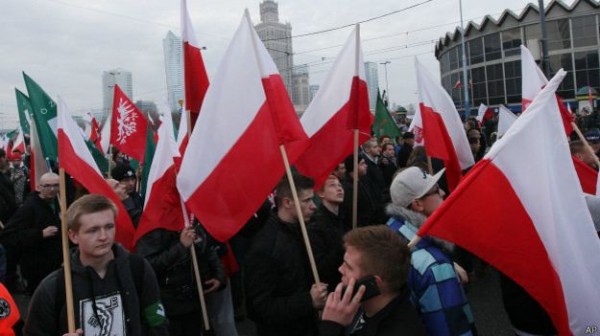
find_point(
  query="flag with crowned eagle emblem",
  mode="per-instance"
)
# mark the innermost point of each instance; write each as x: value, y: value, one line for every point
x: 128, y: 127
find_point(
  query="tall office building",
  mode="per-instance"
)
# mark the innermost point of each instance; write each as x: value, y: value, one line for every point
x: 109, y: 79
x: 172, y: 49
x: 372, y: 78
x: 300, y: 87
x: 277, y: 38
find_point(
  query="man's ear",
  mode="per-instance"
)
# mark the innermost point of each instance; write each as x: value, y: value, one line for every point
x: 73, y: 237
x: 286, y: 202
x: 417, y: 206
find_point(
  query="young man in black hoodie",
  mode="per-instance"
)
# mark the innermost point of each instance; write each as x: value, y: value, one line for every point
x: 114, y: 292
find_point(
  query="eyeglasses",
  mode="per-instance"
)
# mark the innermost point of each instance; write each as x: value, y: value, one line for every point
x: 433, y: 191
x: 49, y: 186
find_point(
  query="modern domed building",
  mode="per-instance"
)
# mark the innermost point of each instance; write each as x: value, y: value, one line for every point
x: 494, y: 58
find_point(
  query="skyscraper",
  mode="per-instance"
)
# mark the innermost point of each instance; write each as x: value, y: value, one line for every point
x: 277, y: 38
x: 372, y: 78
x: 172, y: 49
x: 109, y: 79
x: 300, y: 87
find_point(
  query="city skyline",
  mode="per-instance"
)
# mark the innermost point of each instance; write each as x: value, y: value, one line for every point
x: 65, y: 45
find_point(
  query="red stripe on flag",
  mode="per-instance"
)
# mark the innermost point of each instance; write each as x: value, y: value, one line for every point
x: 196, y: 80
x: 501, y: 232
x: 587, y: 176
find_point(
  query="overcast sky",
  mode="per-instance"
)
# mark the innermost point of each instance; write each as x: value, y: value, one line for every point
x: 65, y: 45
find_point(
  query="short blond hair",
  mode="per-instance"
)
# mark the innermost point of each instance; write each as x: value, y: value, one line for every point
x: 88, y: 204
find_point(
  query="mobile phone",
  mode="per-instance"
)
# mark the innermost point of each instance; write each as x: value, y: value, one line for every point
x: 371, y: 288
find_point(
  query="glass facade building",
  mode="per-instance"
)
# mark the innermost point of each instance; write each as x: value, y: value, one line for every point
x: 494, y: 57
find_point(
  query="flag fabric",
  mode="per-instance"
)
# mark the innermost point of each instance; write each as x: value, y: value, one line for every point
x: 533, y: 225
x: 505, y: 119
x: 384, y: 124
x: 588, y: 177
x: 44, y: 115
x: 442, y: 131
x: 77, y: 161
x: 481, y: 112
x: 230, y: 168
x: 182, y: 133
x: 24, y: 108
x: 457, y: 85
x: 162, y: 205
x: 194, y: 73
x: 148, y: 158
x: 37, y: 164
x: 105, y: 134
x: 18, y: 145
x: 128, y: 127
x: 340, y: 106
x: 532, y: 77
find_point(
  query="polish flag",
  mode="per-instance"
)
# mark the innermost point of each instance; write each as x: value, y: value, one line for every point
x: 233, y: 159
x: 443, y: 136
x: 528, y: 217
x: 340, y: 106
x: 75, y: 158
x: 481, y: 112
x: 129, y: 126
x: 195, y: 77
x: 505, y: 119
x: 532, y: 77
x: 18, y: 143
x: 162, y: 206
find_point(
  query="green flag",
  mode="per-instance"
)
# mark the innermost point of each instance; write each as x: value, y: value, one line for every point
x: 384, y: 123
x: 148, y: 156
x: 24, y: 107
x: 44, y: 116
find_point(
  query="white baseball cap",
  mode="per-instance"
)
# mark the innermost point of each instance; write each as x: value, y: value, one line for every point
x: 411, y: 184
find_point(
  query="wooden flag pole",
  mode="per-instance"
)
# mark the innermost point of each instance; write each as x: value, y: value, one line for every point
x: 355, y: 182
x: 585, y: 143
x: 311, y: 257
x: 66, y: 255
x: 196, y: 271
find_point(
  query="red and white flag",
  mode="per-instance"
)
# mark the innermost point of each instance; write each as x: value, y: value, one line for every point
x: 105, y: 134
x: 505, y: 119
x: 75, y: 158
x: 18, y: 144
x: 521, y: 209
x: 340, y: 106
x: 195, y: 77
x: 481, y: 112
x: 233, y: 158
x: 128, y: 127
x: 442, y: 131
x: 588, y: 177
x: 162, y: 206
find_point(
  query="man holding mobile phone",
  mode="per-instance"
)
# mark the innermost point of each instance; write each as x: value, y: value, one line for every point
x: 381, y: 305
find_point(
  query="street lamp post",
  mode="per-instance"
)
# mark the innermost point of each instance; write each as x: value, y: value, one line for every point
x: 386, y: 79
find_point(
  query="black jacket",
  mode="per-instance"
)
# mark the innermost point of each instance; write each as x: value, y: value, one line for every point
x: 371, y: 209
x: 325, y: 231
x: 278, y: 281
x: 39, y: 256
x: 143, y: 314
x: 172, y: 264
x: 8, y: 203
x: 399, y: 317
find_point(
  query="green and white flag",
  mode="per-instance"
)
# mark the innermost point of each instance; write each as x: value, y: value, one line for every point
x: 44, y: 117
x: 25, y: 109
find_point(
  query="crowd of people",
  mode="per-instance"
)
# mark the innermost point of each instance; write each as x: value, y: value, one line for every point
x: 371, y: 283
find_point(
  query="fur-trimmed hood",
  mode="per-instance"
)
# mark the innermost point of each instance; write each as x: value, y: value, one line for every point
x: 417, y: 219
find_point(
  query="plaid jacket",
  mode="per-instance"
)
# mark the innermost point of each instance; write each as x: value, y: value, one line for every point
x: 434, y: 286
